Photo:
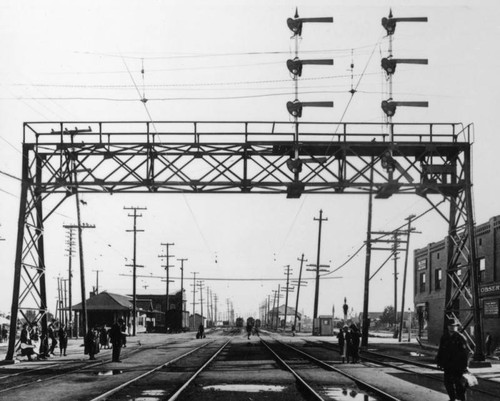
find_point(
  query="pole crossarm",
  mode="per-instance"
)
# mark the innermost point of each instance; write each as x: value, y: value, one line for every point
x: 61, y: 159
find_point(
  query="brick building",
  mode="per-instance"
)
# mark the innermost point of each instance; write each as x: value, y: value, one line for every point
x: 430, y: 264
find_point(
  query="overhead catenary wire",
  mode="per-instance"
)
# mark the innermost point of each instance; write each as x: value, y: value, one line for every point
x: 382, y: 236
x: 173, y: 85
x: 204, y: 55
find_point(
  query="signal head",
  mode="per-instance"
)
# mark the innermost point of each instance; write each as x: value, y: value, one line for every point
x: 389, y: 65
x: 389, y: 25
x: 294, y: 66
x: 294, y: 108
x: 295, y: 26
x: 389, y: 108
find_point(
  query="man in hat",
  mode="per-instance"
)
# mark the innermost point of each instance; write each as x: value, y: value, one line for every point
x: 116, y: 337
x: 452, y: 357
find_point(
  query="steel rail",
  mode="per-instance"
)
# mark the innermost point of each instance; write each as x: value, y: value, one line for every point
x: 42, y: 367
x: 359, y: 382
x: 408, y: 370
x: 293, y: 372
x: 427, y: 375
x: 191, y: 379
x: 149, y: 372
x: 79, y: 365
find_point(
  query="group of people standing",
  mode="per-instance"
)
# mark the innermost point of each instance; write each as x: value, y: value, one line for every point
x: 42, y: 344
x: 39, y: 344
x: 349, y: 340
x: 101, y: 337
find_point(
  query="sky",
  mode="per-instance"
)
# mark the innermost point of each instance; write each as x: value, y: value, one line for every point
x: 226, y: 60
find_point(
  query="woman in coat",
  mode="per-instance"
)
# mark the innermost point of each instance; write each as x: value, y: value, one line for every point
x: 63, y: 339
x: 344, y: 338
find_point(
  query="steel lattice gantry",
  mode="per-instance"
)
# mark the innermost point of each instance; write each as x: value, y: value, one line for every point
x: 59, y: 159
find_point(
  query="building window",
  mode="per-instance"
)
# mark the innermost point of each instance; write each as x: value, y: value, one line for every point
x: 438, y: 255
x: 480, y: 241
x: 482, y: 270
x: 422, y: 282
x: 438, y: 278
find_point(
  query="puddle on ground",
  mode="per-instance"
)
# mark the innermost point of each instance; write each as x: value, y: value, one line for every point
x: 248, y: 388
x: 416, y: 354
x: 344, y: 394
x: 109, y: 372
x: 145, y: 399
x: 150, y: 395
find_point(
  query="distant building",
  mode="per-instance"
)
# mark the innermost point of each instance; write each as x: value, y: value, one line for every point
x: 196, y: 320
x: 430, y: 266
x: 105, y: 308
x: 280, y: 312
x: 173, y: 319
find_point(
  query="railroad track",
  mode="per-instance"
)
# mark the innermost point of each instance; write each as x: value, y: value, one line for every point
x: 486, y: 387
x: 46, y: 371
x: 315, y: 391
x: 170, y: 391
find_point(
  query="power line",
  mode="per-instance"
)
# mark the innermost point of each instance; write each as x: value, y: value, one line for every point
x: 221, y: 83
x: 201, y: 55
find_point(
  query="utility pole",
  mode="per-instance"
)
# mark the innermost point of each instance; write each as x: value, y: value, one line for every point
x: 212, y: 309
x: 216, y: 298
x: 182, y: 260
x: 167, y: 279
x: 97, y: 280
x: 278, y: 310
x: 409, y: 229
x: 208, y: 306
x: 275, y: 293
x: 396, y: 253
x: 59, y: 298
x: 65, y: 301
x: 316, y: 292
x: 299, y: 284
x: 200, y: 284
x: 194, y: 297
x: 366, y: 319
x: 268, y: 310
x: 134, y: 263
x: 70, y: 244
x: 80, y: 228
x: 287, y: 289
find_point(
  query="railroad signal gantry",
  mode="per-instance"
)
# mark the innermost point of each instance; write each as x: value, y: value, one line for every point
x: 238, y: 157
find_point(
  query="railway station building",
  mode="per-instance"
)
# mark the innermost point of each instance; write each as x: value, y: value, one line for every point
x: 430, y: 264
x: 105, y: 308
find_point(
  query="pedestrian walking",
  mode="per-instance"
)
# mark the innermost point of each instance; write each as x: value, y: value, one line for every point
x: 123, y: 329
x: 344, y: 339
x: 355, y: 340
x: 91, y: 343
x: 452, y: 357
x: 249, y: 329
x: 488, y: 343
x: 104, y: 337
x: 63, y: 339
x: 44, y: 344
x: 115, y: 336
x: 51, y: 332
x: 201, y: 331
